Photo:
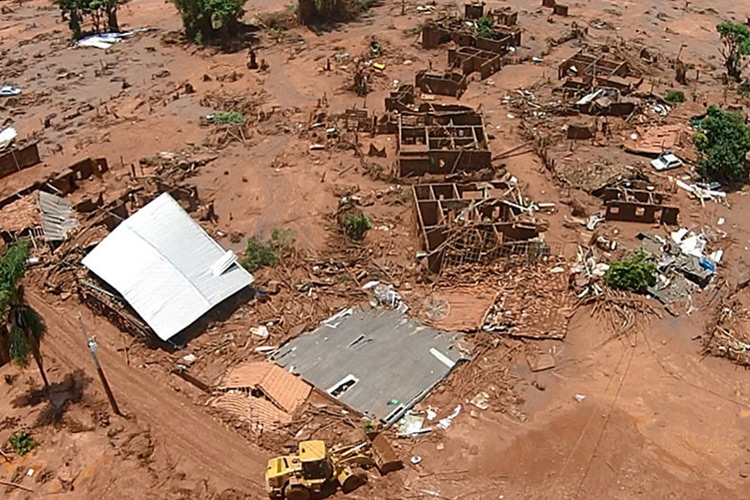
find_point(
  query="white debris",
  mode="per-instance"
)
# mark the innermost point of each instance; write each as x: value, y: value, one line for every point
x: 700, y: 192
x: 6, y: 137
x: 447, y: 421
x: 370, y: 284
x: 415, y: 459
x: 260, y: 331
x: 106, y: 40
x: 580, y: 397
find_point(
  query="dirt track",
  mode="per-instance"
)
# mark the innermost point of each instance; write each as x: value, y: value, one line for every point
x: 199, y: 444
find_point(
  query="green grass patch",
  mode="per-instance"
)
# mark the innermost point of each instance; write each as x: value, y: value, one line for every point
x: 232, y: 117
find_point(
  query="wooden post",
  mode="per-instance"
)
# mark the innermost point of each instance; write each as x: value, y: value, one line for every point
x: 91, y: 343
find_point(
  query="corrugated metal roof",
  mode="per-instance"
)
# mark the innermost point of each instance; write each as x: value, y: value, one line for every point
x: 161, y: 261
x: 58, y: 218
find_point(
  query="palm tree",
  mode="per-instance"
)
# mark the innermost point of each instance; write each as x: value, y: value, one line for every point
x: 21, y: 326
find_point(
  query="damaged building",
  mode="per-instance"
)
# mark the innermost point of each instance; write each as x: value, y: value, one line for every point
x: 441, y: 143
x: 166, y: 267
x: 636, y: 201
x: 470, y: 223
x: 586, y: 69
x: 378, y: 363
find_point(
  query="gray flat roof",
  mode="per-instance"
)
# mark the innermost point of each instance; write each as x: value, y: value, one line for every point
x: 383, y: 355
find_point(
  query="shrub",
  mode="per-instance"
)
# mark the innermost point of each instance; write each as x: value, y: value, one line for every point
x: 675, y: 96
x: 229, y: 117
x: 634, y: 273
x: 356, y: 226
x: 207, y: 20
x: 485, y: 27
x: 22, y: 443
x: 722, y: 143
x: 736, y: 40
x: 260, y: 253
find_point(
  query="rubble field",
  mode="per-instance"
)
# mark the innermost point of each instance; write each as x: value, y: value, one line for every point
x: 406, y: 224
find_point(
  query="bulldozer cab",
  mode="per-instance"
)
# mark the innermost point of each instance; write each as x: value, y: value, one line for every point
x: 316, y: 466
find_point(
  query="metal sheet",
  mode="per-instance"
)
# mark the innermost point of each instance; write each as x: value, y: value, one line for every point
x: 58, y: 218
x: 161, y: 261
x: 390, y: 356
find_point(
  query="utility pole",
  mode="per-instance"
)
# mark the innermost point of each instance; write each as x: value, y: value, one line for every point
x: 91, y: 343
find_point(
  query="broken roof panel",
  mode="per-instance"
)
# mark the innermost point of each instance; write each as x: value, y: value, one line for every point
x: 284, y: 389
x: 379, y: 363
x: 58, y: 218
x: 164, y: 264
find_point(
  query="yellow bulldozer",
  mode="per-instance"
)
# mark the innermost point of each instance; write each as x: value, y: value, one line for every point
x: 316, y: 468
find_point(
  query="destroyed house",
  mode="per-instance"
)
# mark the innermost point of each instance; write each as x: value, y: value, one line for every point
x: 441, y: 143
x: 455, y: 30
x: 376, y: 363
x: 167, y: 268
x: 471, y: 60
x: 585, y: 69
x: 472, y: 223
x: 634, y: 202
x: 450, y: 83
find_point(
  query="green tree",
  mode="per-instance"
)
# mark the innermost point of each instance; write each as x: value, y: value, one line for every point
x: 101, y: 13
x: 206, y: 20
x: 634, y: 273
x: 736, y: 40
x: 722, y: 143
x: 21, y: 325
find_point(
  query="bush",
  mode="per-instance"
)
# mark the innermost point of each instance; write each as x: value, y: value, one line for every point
x: 722, y: 142
x: 267, y: 254
x: 485, y: 28
x: 229, y: 117
x: 675, y: 96
x: 207, y: 20
x: 356, y: 226
x: 634, y: 273
x: 22, y: 443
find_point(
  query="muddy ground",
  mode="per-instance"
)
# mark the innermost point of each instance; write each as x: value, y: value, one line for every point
x: 658, y: 420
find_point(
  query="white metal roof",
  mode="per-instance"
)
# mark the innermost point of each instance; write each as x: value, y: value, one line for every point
x: 167, y: 267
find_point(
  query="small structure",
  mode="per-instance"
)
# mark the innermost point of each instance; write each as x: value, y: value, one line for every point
x: 451, y: 83
x: 167, y: 267
x: 16, y: 160
x: 262, y: 393
x: 634, y: 202
x: 560, y: 10
x: 464, y: 223
x: 441, y: 143
x: 471, y: 60
x: 446, y: 30
x: 585, y: 70
x: 377, y: 363
x: 400, y: 99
